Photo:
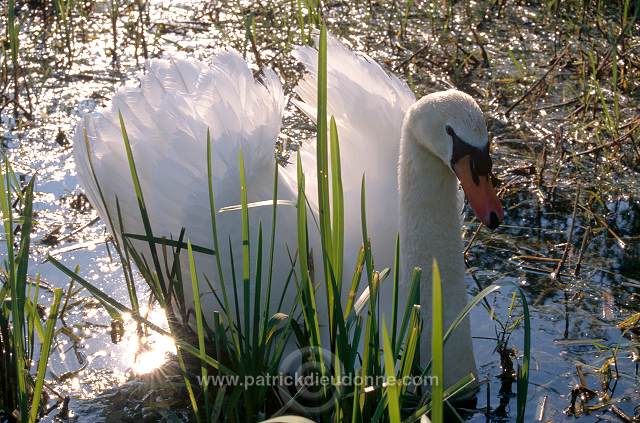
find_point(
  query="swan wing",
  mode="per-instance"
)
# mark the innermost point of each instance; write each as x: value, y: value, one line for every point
x: 369, y: 105
x: 167, y: 118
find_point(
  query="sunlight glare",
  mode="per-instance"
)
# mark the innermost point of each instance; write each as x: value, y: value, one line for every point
x: 146, y: 353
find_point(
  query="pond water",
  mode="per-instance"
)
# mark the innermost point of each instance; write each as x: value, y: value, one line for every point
x: 496, y: 55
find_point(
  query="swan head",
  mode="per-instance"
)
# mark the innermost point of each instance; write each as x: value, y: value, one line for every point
x: 452, y: 127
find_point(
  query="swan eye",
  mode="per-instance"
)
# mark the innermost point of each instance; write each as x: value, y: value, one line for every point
x: 450, y: 131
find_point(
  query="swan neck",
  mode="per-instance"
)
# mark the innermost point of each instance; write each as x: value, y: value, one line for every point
x: 430, y: 224
x: 430, y: 221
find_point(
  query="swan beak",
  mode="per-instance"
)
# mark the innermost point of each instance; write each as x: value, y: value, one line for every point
x: 481, y: 195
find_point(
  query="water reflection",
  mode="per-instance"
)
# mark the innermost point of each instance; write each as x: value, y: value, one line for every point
x: 146, y: 350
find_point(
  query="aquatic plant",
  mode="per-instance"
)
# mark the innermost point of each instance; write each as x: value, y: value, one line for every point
x: 23, y: 334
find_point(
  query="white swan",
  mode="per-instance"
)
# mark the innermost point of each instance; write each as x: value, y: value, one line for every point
x: 411, y: 187
x: 413, y: 155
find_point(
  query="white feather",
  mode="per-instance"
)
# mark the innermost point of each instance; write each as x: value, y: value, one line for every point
x: 167, y: 118
x: 369, y: 106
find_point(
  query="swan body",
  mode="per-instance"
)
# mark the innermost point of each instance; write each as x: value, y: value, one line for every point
x: 412, y: 155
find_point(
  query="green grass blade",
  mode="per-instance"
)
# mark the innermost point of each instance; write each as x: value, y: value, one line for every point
x: 396, y: 288
x: 125, y: 260
x: 195, y: 286
x: 246, y: 252
x: 218, y: 404
x: 23, y: 254
x: 437, y: 351
x: 5, y: 206
x: 187, y: 383
x: 355, y: 282
x: 392, y: 390
x: 411, y: 346
x: 272, y: 248
x: 141, y: 204
x: 412, y: 299
x: 523, y: 371
x: 322, y: 169
x: 371, y: 346
x: 337, y: 204
x: 257, y: 290
x: 306, y: 288
x: 216, y: 245
x: 212, y: 211
x: 322, y: 144
x: 123, y: 252
x: 44, y: 354
x: 31, y: 309
x: 365, y: 234
x: 241, y: 345
x: 18, y: 298
x: 306, y: 285
x: 170, y: 243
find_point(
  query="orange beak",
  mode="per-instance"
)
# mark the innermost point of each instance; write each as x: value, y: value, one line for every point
x: 481, y: 196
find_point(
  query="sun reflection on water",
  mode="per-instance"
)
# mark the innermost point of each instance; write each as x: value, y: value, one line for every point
x: 146, y: 350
